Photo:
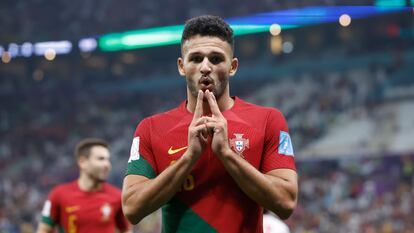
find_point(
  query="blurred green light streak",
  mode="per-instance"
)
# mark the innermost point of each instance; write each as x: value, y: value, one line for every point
x: 168, y: 35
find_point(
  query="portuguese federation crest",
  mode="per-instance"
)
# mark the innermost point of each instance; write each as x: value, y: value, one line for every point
x: 239, y: 144
x: 106, y: 211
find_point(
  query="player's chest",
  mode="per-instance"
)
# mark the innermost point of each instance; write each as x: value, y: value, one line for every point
x: 245, y: 140
x: 83, y: 209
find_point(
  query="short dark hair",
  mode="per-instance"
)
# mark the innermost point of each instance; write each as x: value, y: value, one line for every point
x: 208, y: 25
x: 83, y: 148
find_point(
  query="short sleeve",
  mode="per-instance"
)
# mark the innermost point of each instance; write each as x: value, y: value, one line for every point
x: 141, y: 160
x: 278, y: 148
x: 50, y: 211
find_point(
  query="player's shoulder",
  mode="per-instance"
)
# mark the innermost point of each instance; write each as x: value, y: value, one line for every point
x: 64, y: 188
x: 171, y: 115
x: 255, y: 109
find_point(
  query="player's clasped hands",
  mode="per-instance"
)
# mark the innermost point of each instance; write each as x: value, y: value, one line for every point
x: 207, y: 128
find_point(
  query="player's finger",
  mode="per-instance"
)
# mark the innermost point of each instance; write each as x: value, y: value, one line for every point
x: 213, y: 103
x: 211, y: 127
x: 199, y: 105
x: 201, y: 131
x: 203, y: 120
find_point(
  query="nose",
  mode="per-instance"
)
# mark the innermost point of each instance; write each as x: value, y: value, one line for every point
x: 205, y: 68
x: 107, y: 165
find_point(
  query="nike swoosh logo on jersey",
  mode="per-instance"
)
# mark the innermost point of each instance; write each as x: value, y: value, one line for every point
x: 172, y: 151
x: 71, y: 209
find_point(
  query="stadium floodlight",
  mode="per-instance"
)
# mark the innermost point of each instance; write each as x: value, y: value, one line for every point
x: 258, y: 23
x: 26, y: 49
x: 87, y: 44
x: 13, y: 50
x: 60, y: 47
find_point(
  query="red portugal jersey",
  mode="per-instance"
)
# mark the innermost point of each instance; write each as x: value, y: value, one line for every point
x: 77, y: 211
x: 210, y: 200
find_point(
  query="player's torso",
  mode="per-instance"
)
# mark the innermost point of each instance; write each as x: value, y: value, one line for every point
x: 244, y: 139
x: 88, y: 212
x: 209, y: 190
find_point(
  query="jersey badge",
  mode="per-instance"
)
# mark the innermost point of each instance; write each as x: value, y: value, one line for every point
x: 285, y: 144
x: 239, y: 144
x: 134, y: 155
x: 106, y: 210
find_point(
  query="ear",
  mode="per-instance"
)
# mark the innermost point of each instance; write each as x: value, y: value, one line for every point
x: 82, y: 160
x: 234, y: 66
x: 180, y: 65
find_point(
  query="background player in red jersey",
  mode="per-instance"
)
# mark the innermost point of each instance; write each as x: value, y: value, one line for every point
x: 88, y: 204
x: 214, y: 162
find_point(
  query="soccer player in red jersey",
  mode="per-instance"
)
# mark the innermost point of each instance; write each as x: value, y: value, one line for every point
x: 214, y: 162
x: 88, y: 204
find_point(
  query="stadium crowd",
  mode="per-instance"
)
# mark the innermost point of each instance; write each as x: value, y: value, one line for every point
x: 356, y: 195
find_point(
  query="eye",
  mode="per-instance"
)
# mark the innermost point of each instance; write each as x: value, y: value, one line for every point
x: 216, y: 59
x: 101, y: 158
x: 196, y: 59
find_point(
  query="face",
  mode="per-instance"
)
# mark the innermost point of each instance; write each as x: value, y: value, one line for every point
x: 207, y: 63
x: 97, y: 165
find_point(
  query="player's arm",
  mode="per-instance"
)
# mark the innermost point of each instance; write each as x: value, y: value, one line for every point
x: 141, y: 195
x: 49, y: 214
x: 44, y: 228
x: 276, y: 190
x: 124, y: 231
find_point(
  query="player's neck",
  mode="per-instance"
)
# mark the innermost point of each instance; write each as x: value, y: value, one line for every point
x: 87, y: 184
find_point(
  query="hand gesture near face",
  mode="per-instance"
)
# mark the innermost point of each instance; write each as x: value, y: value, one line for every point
x: 197, y: 131
x: 217, y: 127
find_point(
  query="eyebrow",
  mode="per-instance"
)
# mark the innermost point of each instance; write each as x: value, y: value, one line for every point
x: 207, y: 54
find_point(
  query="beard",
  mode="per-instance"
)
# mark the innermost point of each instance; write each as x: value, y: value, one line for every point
x: 97, y: 177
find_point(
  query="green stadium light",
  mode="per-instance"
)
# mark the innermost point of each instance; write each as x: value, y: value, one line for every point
x: 164, y: 36
x: 141, y: 38
x: 250, y: 29
x: 390, y: 3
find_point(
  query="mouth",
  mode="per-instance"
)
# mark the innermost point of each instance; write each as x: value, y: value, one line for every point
x: 206, y: 83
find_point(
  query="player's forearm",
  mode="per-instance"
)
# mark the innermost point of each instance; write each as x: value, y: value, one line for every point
x: 124, y: 231
x: 143, y: 198
x: 278, y: 194
x: 44, y: 228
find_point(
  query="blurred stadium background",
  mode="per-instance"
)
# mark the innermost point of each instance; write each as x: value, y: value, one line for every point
x: 343, y: 76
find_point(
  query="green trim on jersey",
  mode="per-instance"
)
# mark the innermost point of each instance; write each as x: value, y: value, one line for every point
x: 48, y: 221
x: 177, y: 217
x: 140, y: 167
